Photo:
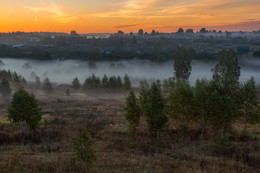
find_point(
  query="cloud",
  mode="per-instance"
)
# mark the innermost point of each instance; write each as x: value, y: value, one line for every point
x: 125, y: 26
x: 57, y: 14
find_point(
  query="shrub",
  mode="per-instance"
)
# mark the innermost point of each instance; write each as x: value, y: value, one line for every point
x: 83, y: 145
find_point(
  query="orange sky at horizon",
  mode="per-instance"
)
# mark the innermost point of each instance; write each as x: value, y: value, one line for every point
x: 102, y: 16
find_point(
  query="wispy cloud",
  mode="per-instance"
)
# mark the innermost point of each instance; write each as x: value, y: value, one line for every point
x: 57, y: 14
x: 125, y: 26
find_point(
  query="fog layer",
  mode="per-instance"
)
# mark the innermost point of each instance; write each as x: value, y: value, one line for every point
x: 65, y: 71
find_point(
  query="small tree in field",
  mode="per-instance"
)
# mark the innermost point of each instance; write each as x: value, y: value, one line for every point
x: 47, y: 85
x: 24, y: 108
x: 105, y: 81
x: 154, y: 110
x: 75, y: 83
x: 5, y: 88
x: 249, y: 110
x: 83, y: 145
x: 127, y: 82
x: 37, y: 80
x: 132, y: 112
x: 182, y: 65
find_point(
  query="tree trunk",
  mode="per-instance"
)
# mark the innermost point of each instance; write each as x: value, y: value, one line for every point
x: 21, y: 127
x: 246, y: 128
x: 203, y: 126
x: 157, y: 134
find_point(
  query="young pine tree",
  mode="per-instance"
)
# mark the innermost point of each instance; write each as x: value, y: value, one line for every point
x: 76, y: 83
x: 133, y: 112
x: 24, y: 108
x: 119, y: 82
x: 83, y: 145
x: 105, y: 81
x: 5, y: 89
x: 144, y: 90
x: 154, y: 110
x: 127, y: 82
x: 38, y: 81
x: 47, y: 84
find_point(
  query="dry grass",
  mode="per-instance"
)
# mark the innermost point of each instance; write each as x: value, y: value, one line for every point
x: 101, y: 113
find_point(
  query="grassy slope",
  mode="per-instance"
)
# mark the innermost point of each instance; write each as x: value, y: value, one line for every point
x: 101, y: 112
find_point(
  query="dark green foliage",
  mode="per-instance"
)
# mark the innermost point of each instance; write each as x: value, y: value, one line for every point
x: 105, y: 81
x: 127, y: 82
x: 221, y: 111
x: 181, y: 104
x: 83, y: 145
x: 47, y: 85
x: 201, y: 103
x: 6, y: 75
x: 133, y: 112
x: 12, y: 77
x: 182, y: 64
x: 168, y: 84
x: 249, y: 112
x: 18, y: 79
x: 154, y: 109
x: 5, y: 88
x: 112, y: 82
x: 24, y: 108
x: 226, y: 73
x: 92, y: 82
x: 119, y: 83
x: 76, y: 83
x: 144, y: 89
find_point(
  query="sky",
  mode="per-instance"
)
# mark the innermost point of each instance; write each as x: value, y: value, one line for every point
x: 109, y: 16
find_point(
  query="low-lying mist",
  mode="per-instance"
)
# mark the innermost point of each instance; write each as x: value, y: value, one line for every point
x: 64, y: 71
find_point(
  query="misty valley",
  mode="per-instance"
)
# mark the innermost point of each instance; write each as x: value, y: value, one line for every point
x: 64, y: 71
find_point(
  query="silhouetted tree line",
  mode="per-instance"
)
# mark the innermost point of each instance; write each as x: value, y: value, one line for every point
x: 28, y: 52
x: 94, y: 82
x: 11, y: 76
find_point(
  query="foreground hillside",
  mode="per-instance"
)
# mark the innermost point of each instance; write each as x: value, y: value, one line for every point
x: 101, y: 112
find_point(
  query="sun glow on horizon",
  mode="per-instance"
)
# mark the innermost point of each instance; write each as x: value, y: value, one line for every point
x: 128, y: 15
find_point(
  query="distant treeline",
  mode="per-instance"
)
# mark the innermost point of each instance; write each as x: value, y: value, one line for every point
x: 11, y: 76
x: 112, y: 82
x: 28, y: 52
